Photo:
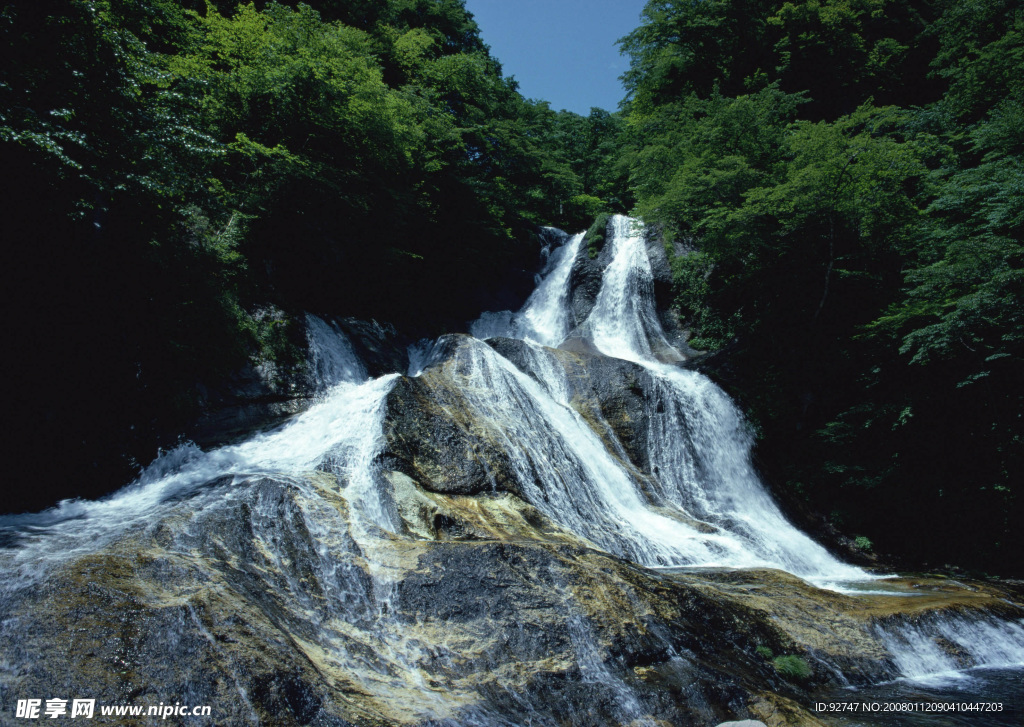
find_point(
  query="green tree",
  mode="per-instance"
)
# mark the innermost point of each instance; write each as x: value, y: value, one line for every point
x: 847, y: 175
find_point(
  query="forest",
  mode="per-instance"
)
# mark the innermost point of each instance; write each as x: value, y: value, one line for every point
x: 849, y: 176
x: 840, y: 184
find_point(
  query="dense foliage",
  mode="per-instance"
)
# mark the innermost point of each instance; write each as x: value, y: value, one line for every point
x: 851, y: 174
x: 182, y: 179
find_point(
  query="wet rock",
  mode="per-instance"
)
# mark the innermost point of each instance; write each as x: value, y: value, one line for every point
x: 664, y: 296
x: 293, y: 609
x: 381, y: 347
x: 282, y: 626
x: 253, y: 398
x: 487, y: 516
x: 584, y: 285
x: 774, y: 710
x: 956, y: 652
x: 585, y: 280
x: 262, y: 396
x: 259, y: 395
x: 430, y: 436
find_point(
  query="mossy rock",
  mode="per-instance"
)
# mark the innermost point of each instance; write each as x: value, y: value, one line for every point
x: 596, y: 235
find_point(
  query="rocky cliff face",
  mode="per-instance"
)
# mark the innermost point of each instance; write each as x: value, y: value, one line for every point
x: 511, y: 533
x: 488, y: 610
x: 278, y: 600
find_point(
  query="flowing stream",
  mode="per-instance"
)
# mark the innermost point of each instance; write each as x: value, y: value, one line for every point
x: 699, y: 503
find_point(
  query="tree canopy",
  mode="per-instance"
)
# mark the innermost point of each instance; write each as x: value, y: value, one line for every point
x: 849, y: 177
x: 184, y: 179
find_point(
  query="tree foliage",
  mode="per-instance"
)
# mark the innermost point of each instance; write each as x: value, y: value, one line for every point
x: 850, y: 175
x: 186, y: 178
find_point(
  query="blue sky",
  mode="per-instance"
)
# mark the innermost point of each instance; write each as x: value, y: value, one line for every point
x: 561, y: 51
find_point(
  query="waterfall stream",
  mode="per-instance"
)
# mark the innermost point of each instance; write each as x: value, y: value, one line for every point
x: 940, y: 646
x: 545, y: 316
x: 317, y: 525
x: 710, y: 508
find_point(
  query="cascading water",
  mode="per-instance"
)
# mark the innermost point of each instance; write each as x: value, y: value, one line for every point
x: 940, y: 646
x: 264, y: 501
x: 952, y: 669
x: 710, y: 508
x: 545, y: 317
x: 623, y: 323
x: 341, y: 562
x: 341, y: 425
x: 562, y: 468
x: 331, y: 356
x: 699, y: 451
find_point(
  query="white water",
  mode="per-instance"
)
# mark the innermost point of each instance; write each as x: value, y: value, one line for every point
x: 340, y: 428
x: 940, y: 646
x: 545, y: 316
x: 332, y: 359
x: 562, y: 467
x: 708, y: 507
x: 624, y: 323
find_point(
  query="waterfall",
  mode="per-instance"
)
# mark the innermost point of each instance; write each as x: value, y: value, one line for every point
x: 623, y: 323
x: 939, y: 646
x: 308, y: 527
x: 332, y: 359
x: 545, y: 317
x: 563, y: 468
x: 710, y: 507
x: 339, y: 428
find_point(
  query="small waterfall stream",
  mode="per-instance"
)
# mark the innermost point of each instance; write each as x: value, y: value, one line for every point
x: 332, y: 359
x: 623, y: 323
x: 306, y: 521
x: 545, y: 316
x: 938, y: 647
